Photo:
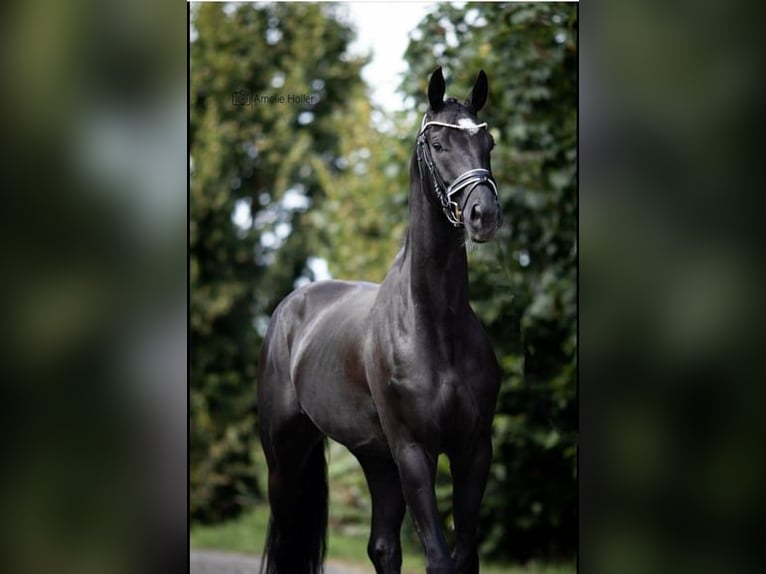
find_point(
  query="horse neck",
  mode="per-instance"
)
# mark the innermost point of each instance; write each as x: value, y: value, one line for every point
x: 435, y: 253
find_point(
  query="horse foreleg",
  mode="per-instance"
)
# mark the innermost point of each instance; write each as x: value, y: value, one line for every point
x: 384, y: 548
x: 417, y: 471
x: 469, y: 475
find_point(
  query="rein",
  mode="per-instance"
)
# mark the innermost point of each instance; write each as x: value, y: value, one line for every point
x: 469, y: 179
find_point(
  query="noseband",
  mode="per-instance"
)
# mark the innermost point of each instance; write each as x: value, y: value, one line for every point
x: 469, y: 179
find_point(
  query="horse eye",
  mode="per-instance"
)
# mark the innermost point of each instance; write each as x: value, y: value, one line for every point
x: 437, y: 146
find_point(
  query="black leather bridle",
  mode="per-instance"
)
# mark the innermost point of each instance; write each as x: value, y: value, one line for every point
x: 469, y: 179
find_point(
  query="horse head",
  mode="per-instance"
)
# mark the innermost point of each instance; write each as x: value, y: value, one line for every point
x: 455, y: 148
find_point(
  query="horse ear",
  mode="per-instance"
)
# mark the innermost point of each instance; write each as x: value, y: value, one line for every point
x: 436, y: 89
x: 478, y: 96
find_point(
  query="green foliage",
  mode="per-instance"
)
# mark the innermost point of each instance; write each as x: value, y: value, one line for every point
x: 366, y: 203
x: 267, y: 162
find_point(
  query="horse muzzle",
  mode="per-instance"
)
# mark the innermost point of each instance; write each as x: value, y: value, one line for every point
x: 482, y: 215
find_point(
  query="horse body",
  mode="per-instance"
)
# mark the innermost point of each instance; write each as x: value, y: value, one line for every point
x: 399, y: 373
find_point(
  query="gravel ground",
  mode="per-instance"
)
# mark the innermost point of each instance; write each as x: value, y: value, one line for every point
x: 213, y: 562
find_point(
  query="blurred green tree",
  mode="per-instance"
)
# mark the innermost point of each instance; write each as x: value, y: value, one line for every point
x: 364, y: 216
x: 524, y: 288
x: 257, y: 165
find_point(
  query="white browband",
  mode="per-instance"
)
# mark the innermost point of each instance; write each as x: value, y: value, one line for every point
x: 463, y: 124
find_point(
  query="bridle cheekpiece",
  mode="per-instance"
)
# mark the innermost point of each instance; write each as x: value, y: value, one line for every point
x: 469, y: 179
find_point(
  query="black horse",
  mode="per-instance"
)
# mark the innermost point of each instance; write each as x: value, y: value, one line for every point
x: 398, y: 372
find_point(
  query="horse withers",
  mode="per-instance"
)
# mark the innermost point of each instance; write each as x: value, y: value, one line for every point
x: 398, y: 372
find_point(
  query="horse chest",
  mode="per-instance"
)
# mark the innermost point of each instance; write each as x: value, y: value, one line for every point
x: 431, y: 405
